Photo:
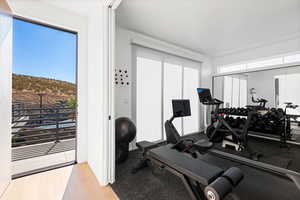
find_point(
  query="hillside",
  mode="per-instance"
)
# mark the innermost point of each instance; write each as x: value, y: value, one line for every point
x: 26, y: 88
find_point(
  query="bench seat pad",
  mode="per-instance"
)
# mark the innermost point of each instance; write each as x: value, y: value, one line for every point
x: 195, y: 169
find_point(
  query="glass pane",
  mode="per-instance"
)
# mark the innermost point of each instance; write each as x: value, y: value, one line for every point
x: 218, y: 87
x: 191, y: 83
x: 265, y: 63
x: 44, y: 99
x: 172, y: 90
x: 148, y: 109
x: 232, y: 68
x: 243, y: 92
x: 227, y: 91
x: 281, y: 90
x: 292, y: 85
x: 292, y: 58
x: 235, y: 92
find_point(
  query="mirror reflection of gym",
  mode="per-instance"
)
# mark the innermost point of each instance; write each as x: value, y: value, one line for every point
x: 275, y: 131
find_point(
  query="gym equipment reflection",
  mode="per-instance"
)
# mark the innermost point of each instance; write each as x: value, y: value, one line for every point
x: 261, y: 106
x: 273, y: 91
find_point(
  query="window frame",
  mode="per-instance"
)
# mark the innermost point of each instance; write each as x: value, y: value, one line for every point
x: 76, y: 33
x: 246, y: 66
x: 164, y: 57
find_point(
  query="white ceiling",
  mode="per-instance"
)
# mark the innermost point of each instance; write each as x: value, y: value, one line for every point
x: 80, y: 7
x: 214, y: 27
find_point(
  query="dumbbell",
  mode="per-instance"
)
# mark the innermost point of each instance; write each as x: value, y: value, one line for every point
x: 239, y: 121
x: 225, y: 110
x: 228, y: 110
x: 242, y: 123
x: 227, y: 118
x: 280, y: 113
x: 231, y: 121
x: 224, y: 184
x: 234, y: 123
x: 234, y: 111
x: 259, y: 125
x: 244, y: 112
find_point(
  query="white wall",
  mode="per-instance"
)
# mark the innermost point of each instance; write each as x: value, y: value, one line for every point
x: 267, y: 50
x: 123, y: 62
x: 264, y: 83
x: 5, y: 99
x: 96, y: 144
x: 124, y: 40
x: 91, y: 147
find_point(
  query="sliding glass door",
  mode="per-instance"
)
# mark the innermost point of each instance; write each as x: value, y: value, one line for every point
x: 160, y: 78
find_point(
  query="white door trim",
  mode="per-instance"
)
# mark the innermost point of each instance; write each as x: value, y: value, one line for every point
x: 109, y: 97
x: 6, y: 36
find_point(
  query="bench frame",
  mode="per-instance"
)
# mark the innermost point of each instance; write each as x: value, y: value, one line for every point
x: 192, y: 186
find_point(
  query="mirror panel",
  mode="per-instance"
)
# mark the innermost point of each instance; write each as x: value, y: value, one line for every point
x: 276, y: 86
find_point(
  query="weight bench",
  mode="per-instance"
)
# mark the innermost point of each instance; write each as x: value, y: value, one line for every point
x: 199, y: 146
x: 144, y: 146
x: 195, y: 173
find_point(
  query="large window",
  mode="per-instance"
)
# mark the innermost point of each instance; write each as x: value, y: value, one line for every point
x: 44, y: 96
x: 159, y: 79
x: 267, y: 62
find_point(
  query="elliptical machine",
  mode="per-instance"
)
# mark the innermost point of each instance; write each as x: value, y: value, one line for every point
x: 216, y: 133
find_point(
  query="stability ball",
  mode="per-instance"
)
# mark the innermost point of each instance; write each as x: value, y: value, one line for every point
x: 125, y: 132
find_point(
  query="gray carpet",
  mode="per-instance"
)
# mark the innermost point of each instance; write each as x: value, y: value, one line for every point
x: 273, y: 154
x: 152, y: 184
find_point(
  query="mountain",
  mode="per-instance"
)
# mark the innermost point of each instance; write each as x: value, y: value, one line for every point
x: 26, y: 89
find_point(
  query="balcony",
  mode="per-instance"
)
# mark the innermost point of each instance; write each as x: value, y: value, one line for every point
x: 42, y: 136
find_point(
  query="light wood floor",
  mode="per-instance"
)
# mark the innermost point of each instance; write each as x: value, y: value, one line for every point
x: 68, y: 183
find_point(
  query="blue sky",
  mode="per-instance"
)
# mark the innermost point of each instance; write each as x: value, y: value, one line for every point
x: 43, y: 52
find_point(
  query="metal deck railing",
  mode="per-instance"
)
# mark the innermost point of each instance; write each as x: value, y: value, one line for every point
x: 41, y: 131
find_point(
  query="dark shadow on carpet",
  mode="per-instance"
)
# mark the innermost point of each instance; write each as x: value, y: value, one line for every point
x: 153, y: 184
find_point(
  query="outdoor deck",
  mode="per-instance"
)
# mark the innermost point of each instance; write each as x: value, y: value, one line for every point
x: 37, y: 150
x: 42, y: 137
x: 39, y: 156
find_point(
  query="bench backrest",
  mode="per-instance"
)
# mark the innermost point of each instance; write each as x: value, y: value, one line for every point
x: 195, y: 169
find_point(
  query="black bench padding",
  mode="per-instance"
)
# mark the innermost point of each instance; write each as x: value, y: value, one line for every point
x: 145, y: 145
x: 195, y: 169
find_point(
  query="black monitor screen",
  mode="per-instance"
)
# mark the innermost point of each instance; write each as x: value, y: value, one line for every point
x: 181, y: 108
x: 204, y: 94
